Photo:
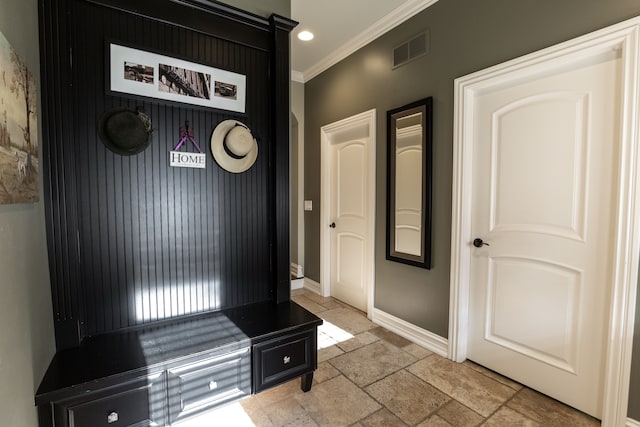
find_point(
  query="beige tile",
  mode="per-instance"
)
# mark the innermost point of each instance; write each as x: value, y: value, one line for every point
x: 471, y: 388
x: 337, y: 402
x: 328, y: 353
x: 318, y: 299
x: 330, y: 334
x: 459, y: 415
x: 390, y: 337
x: 305, y: 302
x: 435, y: 421
x: 333, y: 304
x: 324, y: 372
x: 547, y: 411
x: 281, y: 392
x: 350, y: 320
x: 358, y: 341
x: 297, y: 292
x: 417, y: 350
x: 491, y: 374
x: 256, y: 413
x: 325, y: 340
x: 382, y: 418
x: 372, y: 362
x: 508, y: 417
x: 407, y: 396
x: 233, y: 414
x: 289, y: 413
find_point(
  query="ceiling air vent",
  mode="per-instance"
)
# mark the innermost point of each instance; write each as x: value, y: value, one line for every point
x: 411, y: 49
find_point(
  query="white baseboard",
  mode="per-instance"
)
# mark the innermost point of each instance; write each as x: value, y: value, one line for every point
x: 312, y: 286
x: 422, y: 337
x: 297, y: 283
x: 297, y: 270
x: 632, y: 423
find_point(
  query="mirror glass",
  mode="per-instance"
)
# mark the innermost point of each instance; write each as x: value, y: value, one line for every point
x: 409, y: 184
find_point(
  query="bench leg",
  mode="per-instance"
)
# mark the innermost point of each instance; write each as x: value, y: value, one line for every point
x: 306, y: 381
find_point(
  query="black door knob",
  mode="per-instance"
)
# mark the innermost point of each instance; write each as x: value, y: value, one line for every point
x: 332, y: 225
x: 478, y: 243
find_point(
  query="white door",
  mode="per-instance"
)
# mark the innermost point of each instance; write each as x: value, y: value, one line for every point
x: 348, y: 219
x: 545, y: 168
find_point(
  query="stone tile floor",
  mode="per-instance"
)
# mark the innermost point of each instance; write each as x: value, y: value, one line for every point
x: 368, y: 376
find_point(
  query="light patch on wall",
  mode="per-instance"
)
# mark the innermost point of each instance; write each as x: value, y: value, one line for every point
x: 376, y: 64
x: 153, y: 303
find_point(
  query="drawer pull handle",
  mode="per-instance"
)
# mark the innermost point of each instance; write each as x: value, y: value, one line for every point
x: 286, y: 360
x: 112, y: 417
x: 213, y: 385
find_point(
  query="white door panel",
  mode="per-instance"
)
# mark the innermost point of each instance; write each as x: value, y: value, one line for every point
x: 532, y: 309
x: 544, y: 193
x: 348, y: 184
x: 523, y: 135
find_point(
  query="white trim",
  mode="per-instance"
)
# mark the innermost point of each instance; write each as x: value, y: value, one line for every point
x: 297, y: 76
x: 413, y: 333
x: 313, y: 286
x: 396, y: 17
x: 368, y: 119
x: 623, y: 37
x: 632, y: 423
x: 297, y: 283
x: 297, y: 270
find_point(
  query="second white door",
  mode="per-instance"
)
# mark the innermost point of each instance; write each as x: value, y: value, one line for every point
x: 348, y: 221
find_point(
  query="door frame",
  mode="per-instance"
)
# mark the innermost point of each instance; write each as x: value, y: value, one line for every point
x: 367, y: 122
x: 625, y: 39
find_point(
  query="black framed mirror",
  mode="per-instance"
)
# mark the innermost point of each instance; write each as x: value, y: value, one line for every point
x: 409, y: 169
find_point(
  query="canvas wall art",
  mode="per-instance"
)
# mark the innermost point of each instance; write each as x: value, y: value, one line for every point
x: 19, y: 164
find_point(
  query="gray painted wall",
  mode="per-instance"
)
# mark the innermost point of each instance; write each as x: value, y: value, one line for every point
x: 26, y: 322
x: 466, y: 36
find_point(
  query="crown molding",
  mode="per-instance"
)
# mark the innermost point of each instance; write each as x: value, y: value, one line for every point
x: 392, y: 20
x: 297, y: 76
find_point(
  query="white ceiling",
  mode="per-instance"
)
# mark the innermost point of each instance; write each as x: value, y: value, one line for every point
x: 341, y: 27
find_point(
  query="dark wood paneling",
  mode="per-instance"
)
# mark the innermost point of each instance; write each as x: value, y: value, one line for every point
x: 131, y: 240
x: 281, y: 134
x: 207, y: 16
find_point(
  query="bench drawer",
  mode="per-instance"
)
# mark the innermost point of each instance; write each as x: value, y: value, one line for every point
x: 283, y: 358
x: 204, y: 384
x: 140, y: 402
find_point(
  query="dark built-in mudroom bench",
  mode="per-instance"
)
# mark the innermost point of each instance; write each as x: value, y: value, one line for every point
x: 163, y: 374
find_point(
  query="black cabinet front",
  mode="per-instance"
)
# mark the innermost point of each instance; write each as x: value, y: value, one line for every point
x: 189, y: 367
x: 140, y: 402
x: 199, y: 386
x: 283, y: 358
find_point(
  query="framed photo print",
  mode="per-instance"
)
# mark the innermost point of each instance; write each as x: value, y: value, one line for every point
x: 137, y: 72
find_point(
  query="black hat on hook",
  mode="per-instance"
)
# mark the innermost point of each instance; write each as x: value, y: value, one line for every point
x: 125, y: 132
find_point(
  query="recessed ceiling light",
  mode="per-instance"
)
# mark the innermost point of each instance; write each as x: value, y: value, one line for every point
x: 305, y: 35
